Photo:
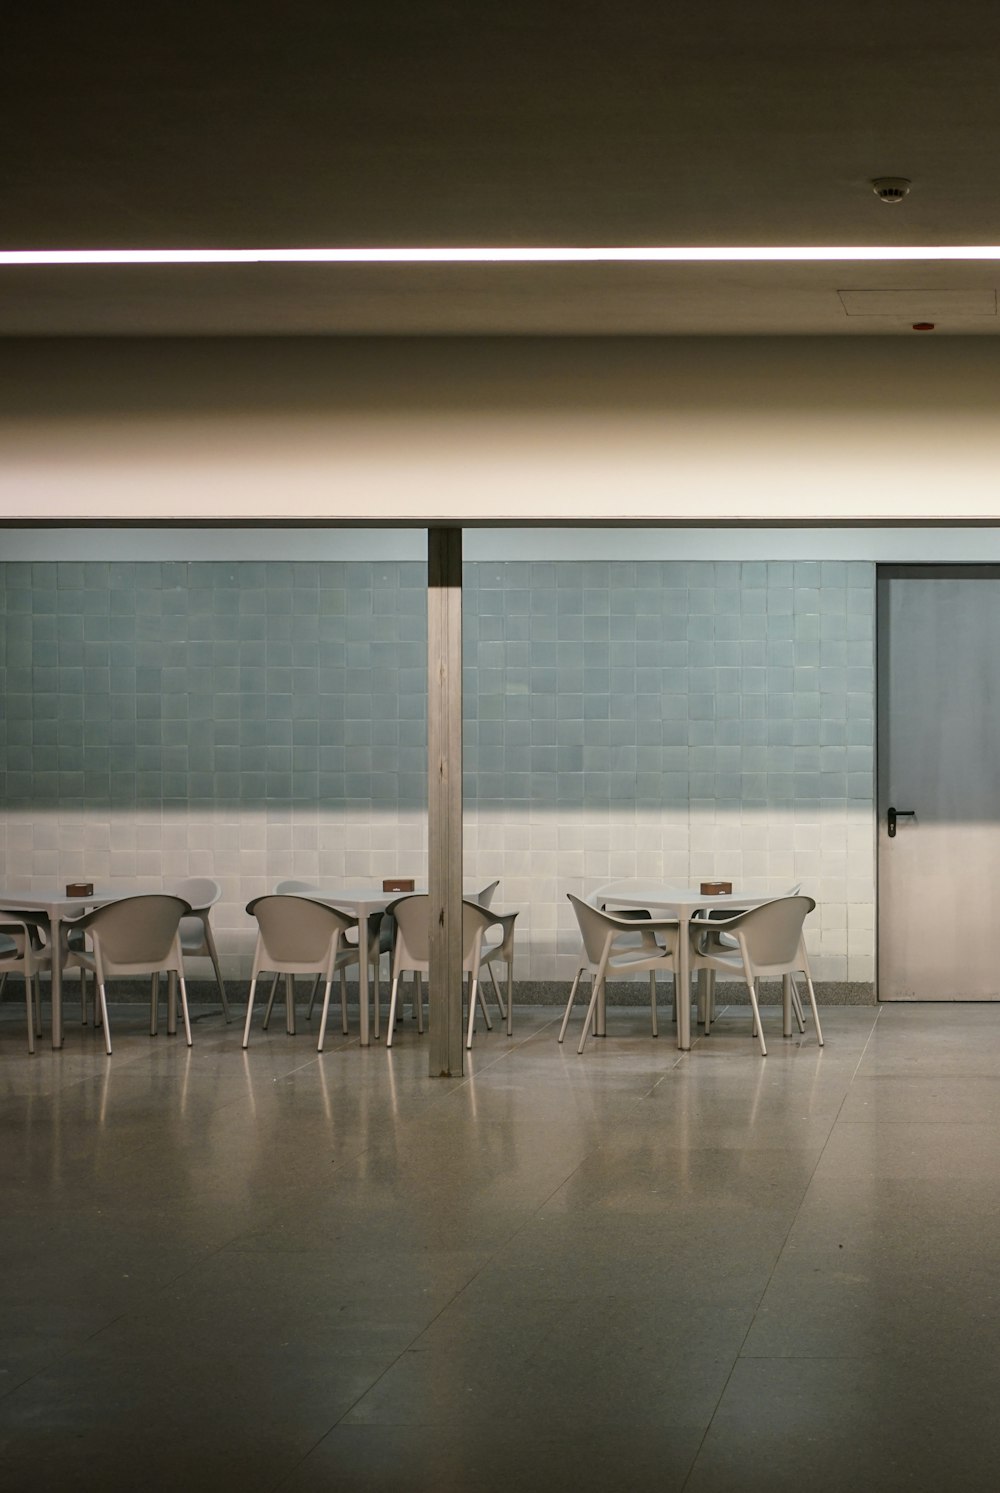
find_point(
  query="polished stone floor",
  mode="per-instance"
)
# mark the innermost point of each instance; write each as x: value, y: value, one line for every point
x: 630, y: 1270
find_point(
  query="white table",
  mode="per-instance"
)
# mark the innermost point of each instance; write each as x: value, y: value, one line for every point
x: 57, y: 906
x: 681, y: 902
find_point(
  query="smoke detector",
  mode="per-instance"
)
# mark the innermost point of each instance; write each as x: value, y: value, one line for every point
x: 890, y: 188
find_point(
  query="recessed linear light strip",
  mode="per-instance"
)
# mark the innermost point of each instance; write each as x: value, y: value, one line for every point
x: 734, y: 255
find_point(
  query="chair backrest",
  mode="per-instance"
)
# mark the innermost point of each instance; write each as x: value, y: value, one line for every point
x: 201, y: 891
x: 139, y: 929
x: 595, y: 926
x: 412, y: 915
x: 297, y: 888
x: 296, y: 930
x: 485, y: 897
x: 773, y: 931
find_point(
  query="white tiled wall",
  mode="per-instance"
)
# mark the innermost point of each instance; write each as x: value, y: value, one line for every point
x: 538, y: 860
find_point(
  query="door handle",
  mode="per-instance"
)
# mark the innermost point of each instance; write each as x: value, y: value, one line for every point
x: 894, y: 814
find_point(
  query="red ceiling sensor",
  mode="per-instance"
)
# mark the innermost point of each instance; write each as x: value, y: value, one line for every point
x: 923, y: 326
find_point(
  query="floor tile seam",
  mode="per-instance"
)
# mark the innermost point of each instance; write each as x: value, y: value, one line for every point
x: 777, y: 1259
x: 446, y: 1306
x: 59, y: 1357
x: 85, y: 1339
x: 518, y: 1044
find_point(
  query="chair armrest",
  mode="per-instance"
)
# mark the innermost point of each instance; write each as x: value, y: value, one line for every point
x: 11, y: 923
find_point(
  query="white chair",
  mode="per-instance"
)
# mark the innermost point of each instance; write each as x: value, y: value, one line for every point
x: 503, y: 951
x: 768, y: 943
x: 380, y: 941
x: 133, y: 936
x: 197, y: 942
x: 610, y: 947
x: 411, y: 955
x: 706, y: 979
x: 297, y: 936
x: 21, y: 952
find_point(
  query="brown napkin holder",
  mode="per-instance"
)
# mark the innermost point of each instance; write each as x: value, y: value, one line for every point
x: 398, y: 884
x: 79, y: 888
x: 716, y: 888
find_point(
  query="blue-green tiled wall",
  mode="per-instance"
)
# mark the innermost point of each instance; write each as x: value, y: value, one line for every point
x: 179, y: 683
x: 656, y: 683
x: 586, y: 683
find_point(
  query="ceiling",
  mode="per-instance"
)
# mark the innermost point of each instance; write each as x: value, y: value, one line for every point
x: 245, y: 123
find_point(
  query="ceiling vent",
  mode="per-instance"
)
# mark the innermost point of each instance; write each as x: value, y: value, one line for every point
x: 890, y: 188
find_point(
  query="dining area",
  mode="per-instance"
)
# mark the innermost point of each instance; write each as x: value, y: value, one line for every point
x: 303, y: 929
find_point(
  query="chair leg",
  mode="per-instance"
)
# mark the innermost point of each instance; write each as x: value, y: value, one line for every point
x: 482, y: 1005
x: 213, y: 954
x: 474, y: 992
x: 759, y: 1029
x: 270, y: 1001
x: 510, y: 998
x: 588, y: 1020
x: 185, y: 1013
x: 154, y: 1005
x: 496, y: 991
x: 796, y: 1004
x: 312, y: 997
x: 326, y: 1012
x: 290, y: 1005
x: 815, y: 1009
x: 377, y: 1014
x: 104, y: 1018
x: 375, y: 966
x: 418, y: 996
x: 391, y: 1024
x: 706, y: 978
x: 246, y: 1028
x: 569, y: 1005
x: 652, y: 1001
x: 30, y: 999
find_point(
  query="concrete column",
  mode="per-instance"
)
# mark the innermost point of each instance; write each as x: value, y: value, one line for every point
x: 444, y: 798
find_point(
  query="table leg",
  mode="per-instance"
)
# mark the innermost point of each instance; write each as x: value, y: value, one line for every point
x: 171, y: 1004
x: 363, y: 975
x: 683, y: 985
x: 55, y: 944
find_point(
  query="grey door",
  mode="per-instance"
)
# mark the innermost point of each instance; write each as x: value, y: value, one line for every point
x: 939, y: 773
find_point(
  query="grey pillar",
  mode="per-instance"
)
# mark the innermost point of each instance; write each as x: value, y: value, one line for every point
x: 444, y: 798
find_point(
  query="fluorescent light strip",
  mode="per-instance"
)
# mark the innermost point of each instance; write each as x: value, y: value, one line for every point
x: 735, y: 255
